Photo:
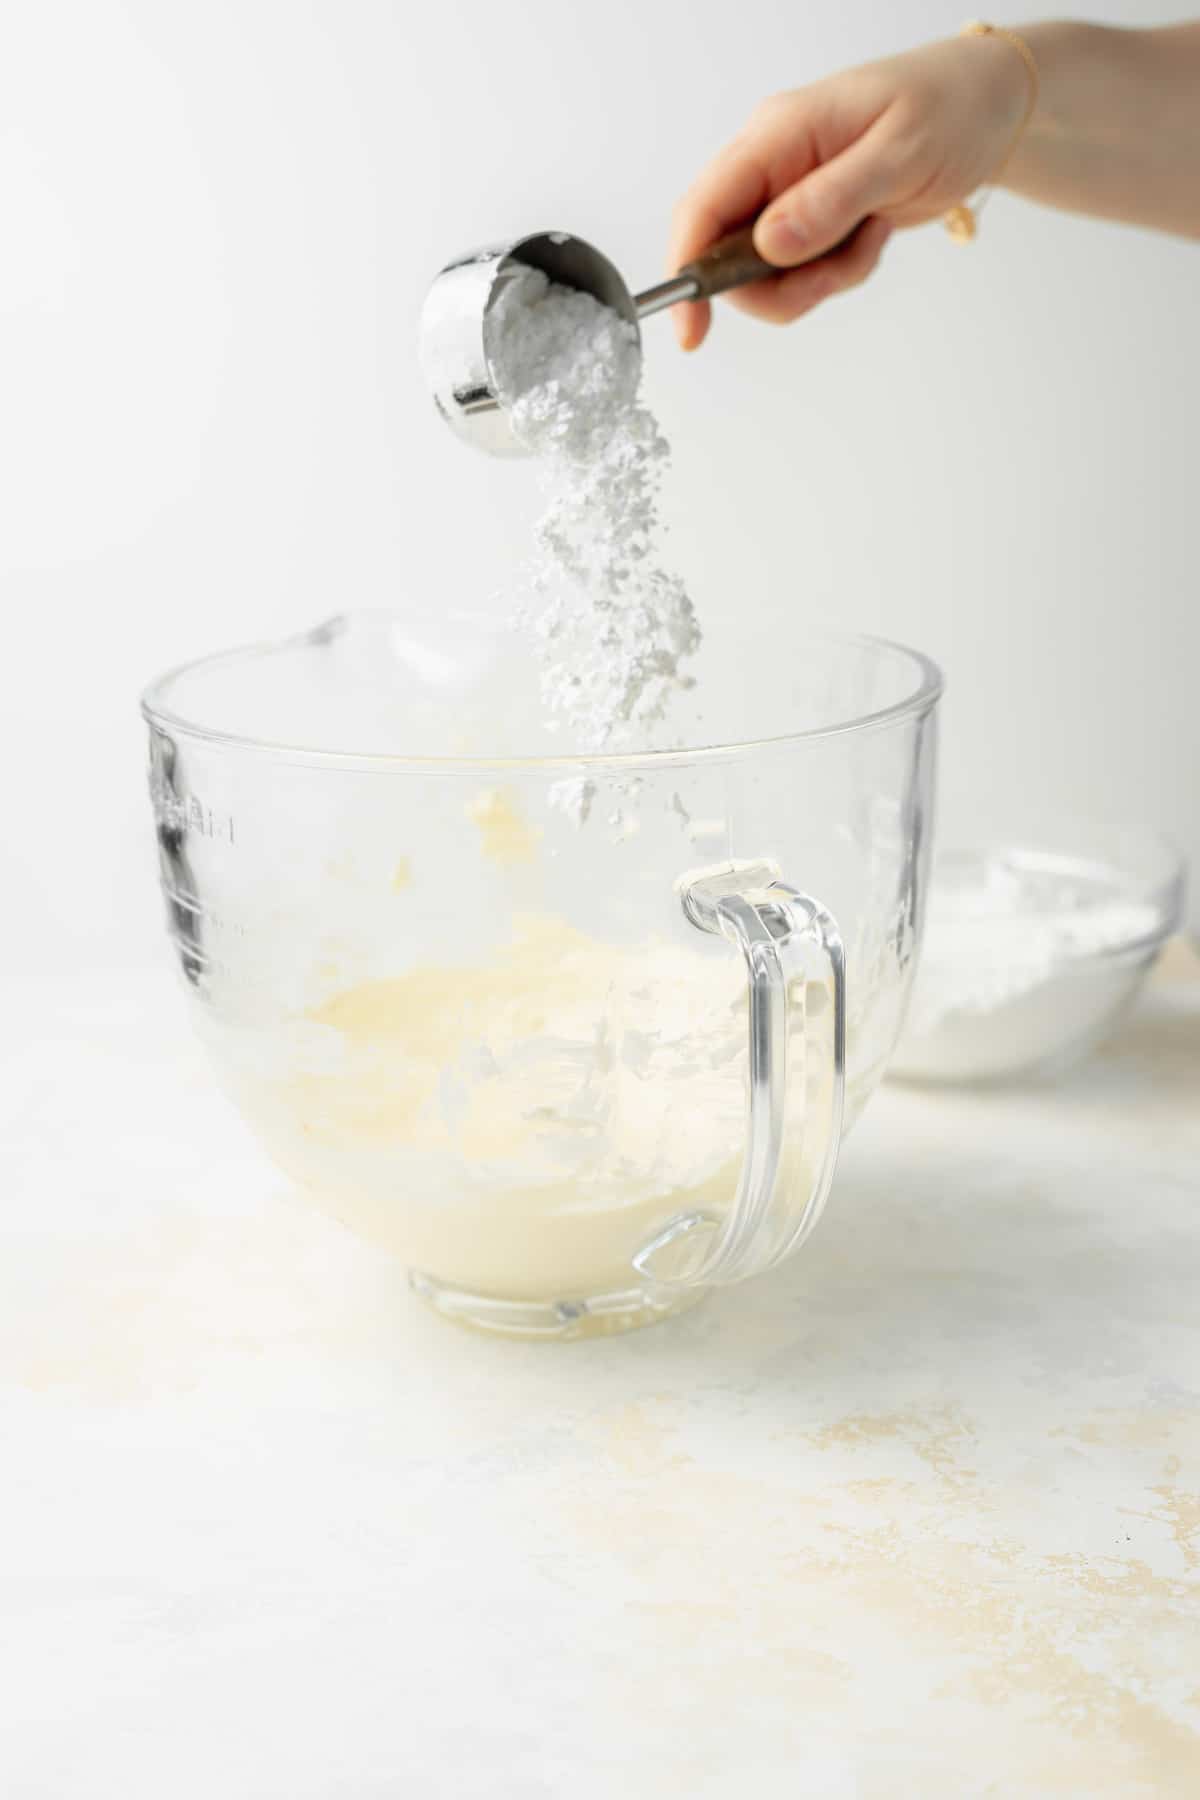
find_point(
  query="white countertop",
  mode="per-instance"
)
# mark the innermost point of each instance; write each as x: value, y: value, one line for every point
x: 918, y: 1514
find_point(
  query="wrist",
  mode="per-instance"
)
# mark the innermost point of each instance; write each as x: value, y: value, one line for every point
x: 1000, y: 81
x: 1065, y: 51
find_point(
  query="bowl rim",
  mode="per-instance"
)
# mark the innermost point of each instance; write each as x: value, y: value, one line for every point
x: 155, y: 709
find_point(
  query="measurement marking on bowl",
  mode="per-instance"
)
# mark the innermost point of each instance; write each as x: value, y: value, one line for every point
x: 191, y: 816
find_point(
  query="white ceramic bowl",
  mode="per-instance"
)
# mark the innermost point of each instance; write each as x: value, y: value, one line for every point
x: 1034, y: 950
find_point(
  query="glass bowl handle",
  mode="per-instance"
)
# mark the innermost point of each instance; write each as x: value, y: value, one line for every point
x: 796, y: 969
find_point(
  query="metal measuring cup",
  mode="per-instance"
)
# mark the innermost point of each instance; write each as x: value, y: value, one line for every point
x: 454, y: 347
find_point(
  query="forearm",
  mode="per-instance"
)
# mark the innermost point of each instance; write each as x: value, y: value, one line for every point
x: 1116, y: 132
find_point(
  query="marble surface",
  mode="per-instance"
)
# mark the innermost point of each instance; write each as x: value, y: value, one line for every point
x: 918, y: 1514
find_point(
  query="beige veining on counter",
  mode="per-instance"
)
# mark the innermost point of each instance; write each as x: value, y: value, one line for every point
x: 916, y: 1515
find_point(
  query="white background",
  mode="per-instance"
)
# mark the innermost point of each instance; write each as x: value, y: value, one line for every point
x: 914, y: 1515
x: 217, y: 223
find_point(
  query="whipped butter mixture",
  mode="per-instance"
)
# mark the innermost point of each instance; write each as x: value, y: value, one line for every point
x: 521, y: 1123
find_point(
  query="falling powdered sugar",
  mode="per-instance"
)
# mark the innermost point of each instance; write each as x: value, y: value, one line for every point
x: 613, y: 628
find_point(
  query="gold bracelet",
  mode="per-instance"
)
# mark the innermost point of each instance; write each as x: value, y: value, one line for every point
x: 962, y: 222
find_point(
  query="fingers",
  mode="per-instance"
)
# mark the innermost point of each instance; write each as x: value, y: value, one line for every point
x: 811, y: 171
x: 691, y: 319
x: 733, y: 188
x: 816, y: 212
x: 797, y: 291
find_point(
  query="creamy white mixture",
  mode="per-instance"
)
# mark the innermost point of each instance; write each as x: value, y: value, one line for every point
x: 517, y: 1125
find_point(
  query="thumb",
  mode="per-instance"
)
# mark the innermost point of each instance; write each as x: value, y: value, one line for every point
x: 823, y: 208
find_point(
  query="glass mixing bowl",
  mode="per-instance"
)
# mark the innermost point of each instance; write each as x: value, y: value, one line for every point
x: 576, y: 1037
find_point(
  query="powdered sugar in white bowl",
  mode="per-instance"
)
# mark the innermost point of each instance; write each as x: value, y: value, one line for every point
x: 1032, y: 954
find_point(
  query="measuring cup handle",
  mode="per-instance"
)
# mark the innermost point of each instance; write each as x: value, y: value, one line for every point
x: 731, y: 262
x: 797, y: 1063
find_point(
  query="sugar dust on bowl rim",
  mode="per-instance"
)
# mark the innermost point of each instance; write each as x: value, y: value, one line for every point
x: 575, y: 1067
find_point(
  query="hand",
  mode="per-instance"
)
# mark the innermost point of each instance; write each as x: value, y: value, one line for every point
x: 894, y: 143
